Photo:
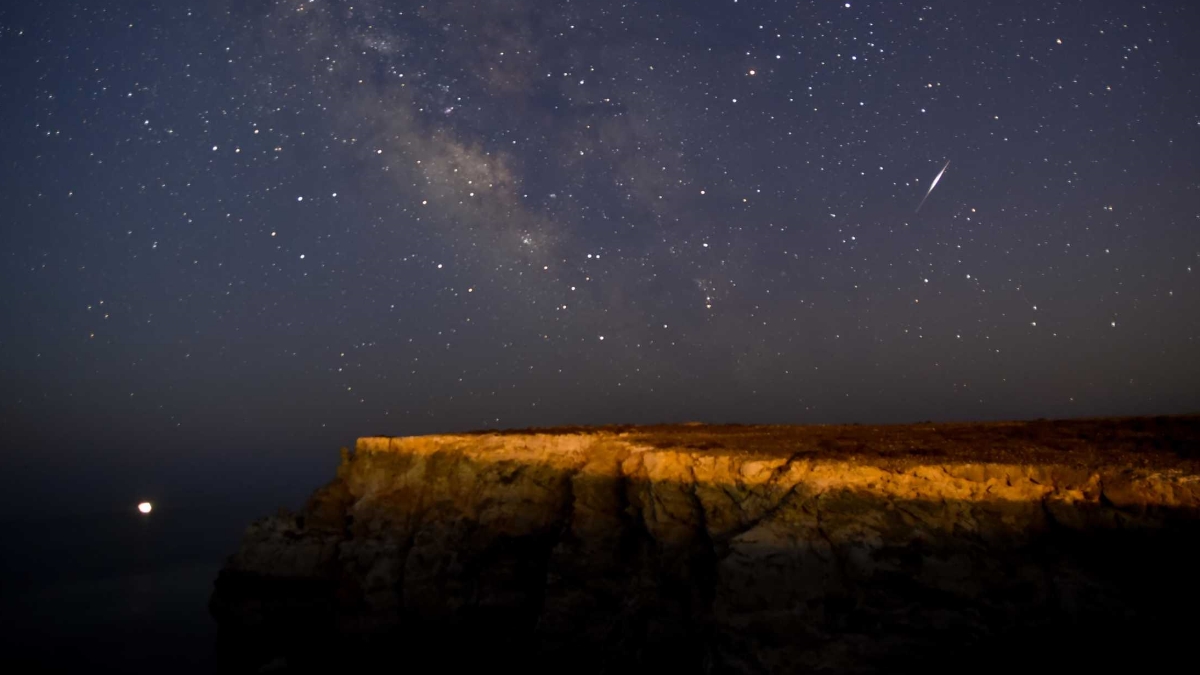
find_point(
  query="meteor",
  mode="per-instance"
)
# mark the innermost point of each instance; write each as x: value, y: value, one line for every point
x: 935, y: 182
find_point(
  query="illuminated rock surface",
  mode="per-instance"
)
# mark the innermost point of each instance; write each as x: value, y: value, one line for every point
x: 733, y: 549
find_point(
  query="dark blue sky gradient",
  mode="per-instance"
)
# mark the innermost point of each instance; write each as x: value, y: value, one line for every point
x: 252, y: 231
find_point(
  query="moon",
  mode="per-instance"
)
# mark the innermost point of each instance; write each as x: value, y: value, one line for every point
x: 145, y: 507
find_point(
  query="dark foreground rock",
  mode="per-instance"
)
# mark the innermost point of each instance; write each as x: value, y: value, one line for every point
x: 956, y: 547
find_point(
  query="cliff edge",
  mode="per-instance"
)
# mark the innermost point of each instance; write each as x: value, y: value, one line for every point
x: 747, y: 549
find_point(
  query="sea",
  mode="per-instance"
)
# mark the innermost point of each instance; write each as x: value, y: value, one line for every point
x: 115, y: 590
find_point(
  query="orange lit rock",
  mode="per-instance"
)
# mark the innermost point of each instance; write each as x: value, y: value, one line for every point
x: 732, y: 549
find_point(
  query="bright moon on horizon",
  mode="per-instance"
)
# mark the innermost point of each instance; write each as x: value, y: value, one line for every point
x: 145, y: 507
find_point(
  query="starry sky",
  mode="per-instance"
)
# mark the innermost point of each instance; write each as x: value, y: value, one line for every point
x: 265, y: 224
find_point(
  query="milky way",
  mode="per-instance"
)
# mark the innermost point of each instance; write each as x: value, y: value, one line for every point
x: 334, y: 219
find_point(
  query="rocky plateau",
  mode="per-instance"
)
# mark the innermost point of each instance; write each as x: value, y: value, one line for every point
x: 990, y: 547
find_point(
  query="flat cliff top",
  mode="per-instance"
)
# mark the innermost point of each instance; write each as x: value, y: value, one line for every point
x: 1162, y: 442
x: 818, y: 548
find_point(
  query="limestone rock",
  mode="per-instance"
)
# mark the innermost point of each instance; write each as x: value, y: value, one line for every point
x: 724, y: 549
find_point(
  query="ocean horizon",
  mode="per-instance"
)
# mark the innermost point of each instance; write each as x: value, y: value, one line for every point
x: 118, y: 591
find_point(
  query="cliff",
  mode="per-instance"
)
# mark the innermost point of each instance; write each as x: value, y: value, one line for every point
x: 732, y: 549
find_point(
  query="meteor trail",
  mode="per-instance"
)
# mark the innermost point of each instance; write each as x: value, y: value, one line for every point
x: 935, y: 182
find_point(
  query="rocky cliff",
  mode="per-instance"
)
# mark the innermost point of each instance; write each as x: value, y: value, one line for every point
x: 732, y: 549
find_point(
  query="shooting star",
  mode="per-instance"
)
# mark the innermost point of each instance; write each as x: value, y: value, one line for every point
x: 935, y: 182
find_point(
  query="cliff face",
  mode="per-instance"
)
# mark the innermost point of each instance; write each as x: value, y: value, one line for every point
x: 730, y: 549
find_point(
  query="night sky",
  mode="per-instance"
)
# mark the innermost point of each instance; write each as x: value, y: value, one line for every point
x: 250, y: 227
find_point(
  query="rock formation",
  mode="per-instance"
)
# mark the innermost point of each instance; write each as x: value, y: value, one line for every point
x: 741, y: 549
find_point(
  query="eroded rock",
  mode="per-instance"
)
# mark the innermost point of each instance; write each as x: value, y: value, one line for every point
x: 731, y: 549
